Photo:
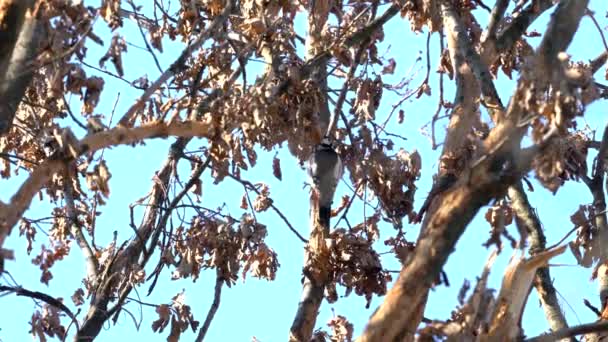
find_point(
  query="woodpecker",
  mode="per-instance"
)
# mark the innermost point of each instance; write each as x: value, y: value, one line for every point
x: 325, y: 171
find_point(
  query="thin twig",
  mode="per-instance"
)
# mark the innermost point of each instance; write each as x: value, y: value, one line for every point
x: 20, y: 291
x: 599, y: 29
x: 143, y: 37
x: 281, y: 215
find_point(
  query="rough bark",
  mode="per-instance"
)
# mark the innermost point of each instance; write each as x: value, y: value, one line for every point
x: 528, y: 221
x: 395, y: 320
x: 19, y: 35
x: 596, y: 187
x: 313, y: 287
x: 148, y: 232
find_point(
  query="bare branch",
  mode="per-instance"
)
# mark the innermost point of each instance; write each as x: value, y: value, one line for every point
x: 361, y: 35
x: 598, y: 62
x: 248, y: 185
x: 20, y: 291
x: 143, y: 37
x: 571, y: 332
x: 219, y: 281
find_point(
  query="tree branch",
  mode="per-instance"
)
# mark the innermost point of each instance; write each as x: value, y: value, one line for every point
x: 219, y: 281
x: 366, y: 32
x: 127, y: 257
x: 76, y: 229
x: 19, y: 291
x: 496, y: 16
x: 453, y: 24
x: 17, y: 52
x: 398, y: 316
x: 596, y: 187
x: 528, y: 221
x: 571, y: 332
x: 520, y: 24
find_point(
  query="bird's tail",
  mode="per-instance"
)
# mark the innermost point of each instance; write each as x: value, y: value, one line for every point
x: 324, y: 216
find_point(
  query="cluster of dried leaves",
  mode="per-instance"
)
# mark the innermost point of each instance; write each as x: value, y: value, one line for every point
x: 178, y: 314
x: 231, y: 247
x: 353, y: 262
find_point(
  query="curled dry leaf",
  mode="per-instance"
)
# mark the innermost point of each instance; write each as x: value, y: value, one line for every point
x: 390, y: 67
x: 342, y: 329
x: 369, y: 93
x: 26, y: 228
x: 178, y: 314
x: 98, y: 179
x: 262, y: 263
x: 584, y: 247
x: 78, y: 297
x: 343, y: 203
x: 262, y: 201
x: 47, y: 323
x: 211, y: 243
x: 499, y: 216
x: 110, y: 12
x: 422, y: 14
x: 114, y: 54
x: 276, y: 168
x: 47, y: 258
x: 94, y: 86
x: 354, y: 264
x: 392, y: 179
x: 164, y: 316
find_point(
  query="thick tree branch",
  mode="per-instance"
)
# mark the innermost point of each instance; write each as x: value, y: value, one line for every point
x: 498, y: 12
x: 313, y: 289
x: 565, y: 22
x: 12, y: 212
x: 76, y: 229
x: 453, y: 24
x: 366, y: 32
x: 528, y: 221
x: 520, y: 24
x: 20, y: 34
x: 596, y: 187
x: 486, y: 178
x: 148, y: 230
x: 598, y: 62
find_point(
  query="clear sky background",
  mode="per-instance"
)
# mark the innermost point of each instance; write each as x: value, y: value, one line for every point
x: 266, y: 309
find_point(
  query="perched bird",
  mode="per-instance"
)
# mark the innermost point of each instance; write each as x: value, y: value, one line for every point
x: 325, y: 171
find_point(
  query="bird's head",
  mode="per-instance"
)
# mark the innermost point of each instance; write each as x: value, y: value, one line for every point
x: 326, y: 142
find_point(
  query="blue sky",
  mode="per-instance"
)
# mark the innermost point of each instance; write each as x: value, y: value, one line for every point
x: 265, y: 309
